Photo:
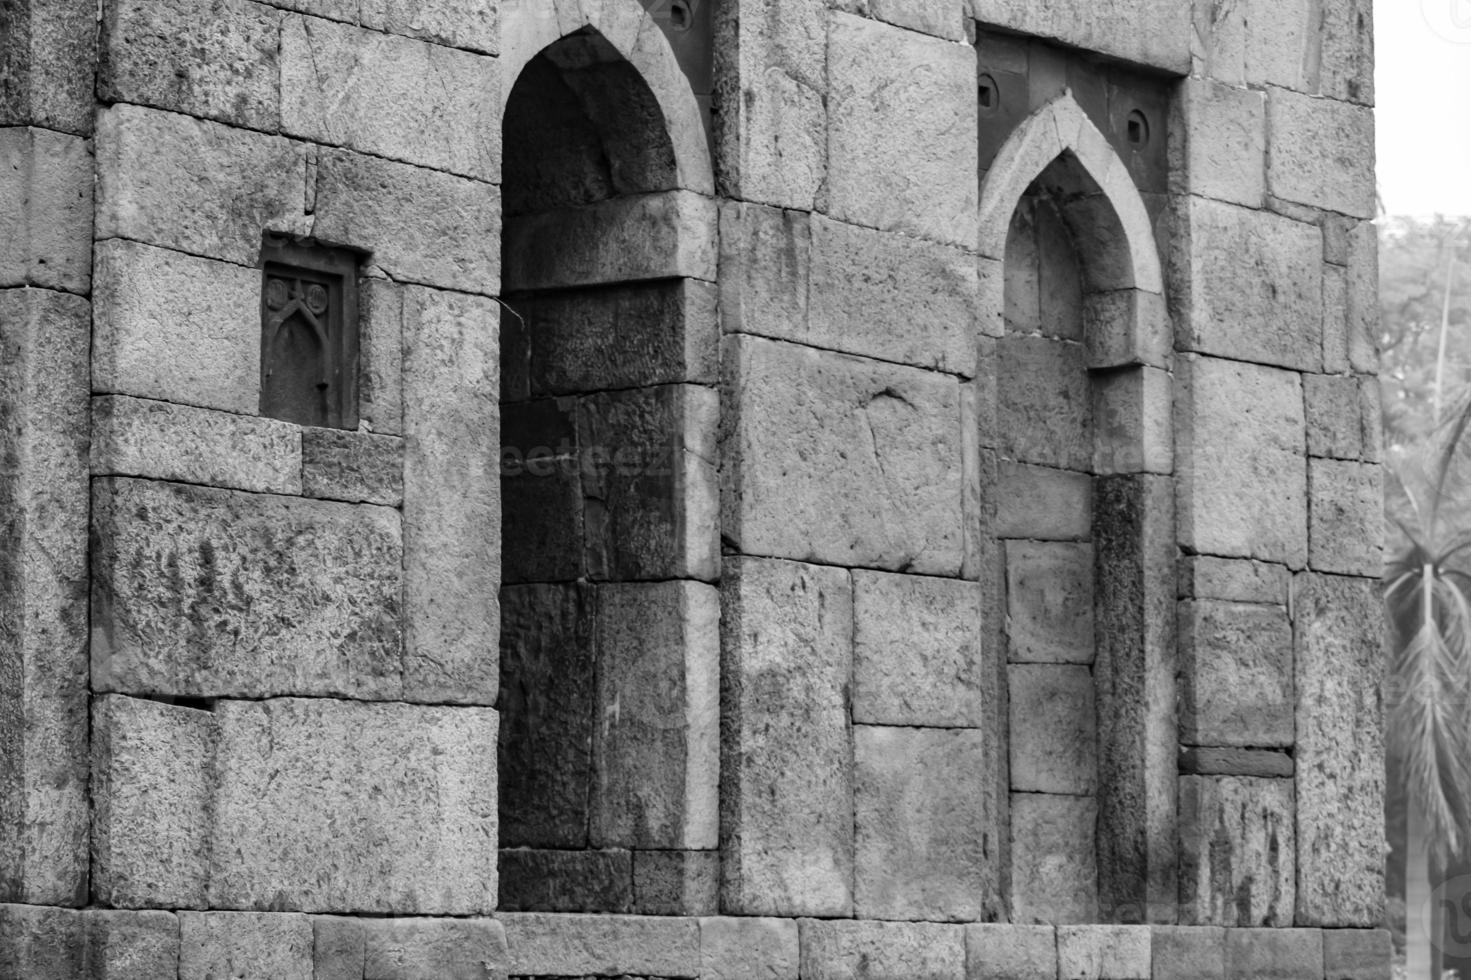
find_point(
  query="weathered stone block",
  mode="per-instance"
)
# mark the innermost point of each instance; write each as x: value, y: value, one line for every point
x: 456, y: 23
x: 542, y: 507
x: 664, y: 235
x: 254, y: 595
x: 565, y: 881
x: 921, y: 834
x: 452, y: 501
x: 1134, y: 427
x: 1150, y: 32
x: 358, y: 467
x: 841, y: 460
x: 164, y: 441
x: 1336, y: 340
x: 1237, y: 845
x: 152, y: 790
x: 210, y: 192
x: 1219, y: 143
x: 176, y: 327
x: 651, y: 501
x: 1188, y: 953
x: 738, y: 949
x: 1346, y: 506
x: 676, y: 882
x: 1236, y: 674
x: 1049, y: 602
x: 434, y: 949
x: 1335, y: 429
x: 1054, y: 866
x: 656, y: 750
x: 222, y: 66
x: 902, y: 147
x: 1054, y: 729
x: 1274, y: 954
x: 1347, y: 62
x: 1103, y: 952
x: 1320, y: 153
x: 380, y: 356
x: 423, y: 226
x: 42, y: 943
x: 916, y: 651
x: 132, y: 945
x: 45, y: 229
x: 339, y: 947
x: 1242, y: 488
x: 1259, y: 42
x: 942, y: 18
x: 1338, y: 636
x: 1267, y: 763
x: 1043, y: 504
x: 1248, y: 285
x: 340, y: 807
x: 1006, y: 952
x: 1371, y: 416
x: 48, y: 52
x: 548, y: 687
x: 390, y: 96
x: 245, y: 945
x: 786, y: 776
x: 765, y: 270
x: 1044, y: 403
x: 837, y: 950
x: 1357, y: 954
x: 543, y: 945
x: 1127, y: 327
x: 1362, y: 294
x: 1205, y: 577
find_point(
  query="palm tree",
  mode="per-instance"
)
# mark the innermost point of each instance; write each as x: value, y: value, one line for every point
x: 1426, y: 594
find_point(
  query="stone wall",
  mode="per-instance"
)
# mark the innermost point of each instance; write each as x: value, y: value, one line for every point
x: 940, y: 532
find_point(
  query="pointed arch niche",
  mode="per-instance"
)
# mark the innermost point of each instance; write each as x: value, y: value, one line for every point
x: 609, y: 746
x: 1083, y: 526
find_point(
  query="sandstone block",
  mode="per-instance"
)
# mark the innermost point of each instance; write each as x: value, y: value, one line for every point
x: 765, y: 270
x: 749, y: 949
x: 565, y: 881
x: 1188, y: 953
x: 390, y: 96
x: 254, y: 595
x: 42, y: 943
x: 132, y: 945
x: 657, y: 749
x: 1357, y: 954
x: 456, y: 23
x: 921, y: 848
x: 42, y: 49
x: 1256, y: 43
x: 1236, y: 762
x: 1363, y: 299
x: 1219, y: 143
x: 1248, y: 285
x: 422, y: 226
x: 380, y: 356
x: 1274, y: 954
x: 786, y: 792
x: 164, y: 441
x: 1338, y: 636
x: 601, y: 945
x: 841, y: 460
x: 1335, y: 429
x: 1103, y: 952
x: 176, y: 327
x: 548, y: 688
x: 1044, y: 408
x: 45, y: 230
x: 1006, y: 952
x: 223, y: 66
x: 664, y: 235
x: 1321, y: 153
x: 837, y: 950
x: 649, y: 483
x: 542, y: 507
x: 1236, y: 863
x: 1336, y: 340
x: 1054, y: 729
x: 434, y: 949
x: 1054, y: 868
x: 1347, y: 62
x: 676, y: 882
x: 1371, y: 415
x: 916, y: 651
x: 152, y: 790
x: 1150, y: 32
x: 451, y: 496
x: 942, y: 18
x: 357, y: 467
x: 902, y: 149
x: 342, y: 807
x: 1242, y: 474
x: 1132, y: 416
x: 1346, y: 507
x: 1205, y: 577
x: 339, y: 947
x: 200, y: 187
x: 1049, y: 602
x: 1126, y: 328
x: 1043, y: 504
x: 245, y: 945
x: 1236, y: 674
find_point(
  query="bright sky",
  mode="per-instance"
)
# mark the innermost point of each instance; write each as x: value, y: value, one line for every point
x: 1423, y: 89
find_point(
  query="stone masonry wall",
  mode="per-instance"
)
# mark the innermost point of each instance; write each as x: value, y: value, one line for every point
x: 987, y: 587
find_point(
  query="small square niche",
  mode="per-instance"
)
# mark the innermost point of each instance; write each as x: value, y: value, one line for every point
x: 309, y: 332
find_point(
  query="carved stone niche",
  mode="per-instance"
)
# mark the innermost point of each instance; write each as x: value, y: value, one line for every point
x: 309, y: 332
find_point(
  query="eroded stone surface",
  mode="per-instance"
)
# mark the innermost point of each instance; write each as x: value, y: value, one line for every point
x: 1054, y: 729
x: 534, y: 880
x: 1238, y: 840
x: 765, y: 949
x: 1054, y: 872
x: 1049, y: 602
x: 358, y: 467
x: 45, y: 234
x: 1236, y: 674
x: 1010, y: 952
x: 132, y: 945
x: 602, y: 945
x: 244, y: 945
x: 1092, y: 952
x: 1318, y: 153
x: 834, y: 950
